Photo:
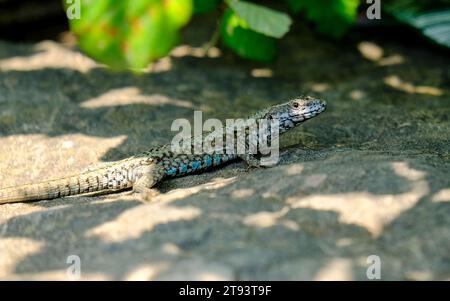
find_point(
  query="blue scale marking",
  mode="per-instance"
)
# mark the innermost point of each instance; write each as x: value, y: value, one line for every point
x: 171, y: 172
x: 183, y: 168
x: 208, y: 161
x: 195, y: 165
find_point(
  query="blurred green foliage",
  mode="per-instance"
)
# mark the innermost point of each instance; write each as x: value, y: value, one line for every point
x: 244, y: 41
x: 431, y: 18
x: 332, y: 17
x: 250, y: 29
x: 132, y: 34
x: 261, y: 19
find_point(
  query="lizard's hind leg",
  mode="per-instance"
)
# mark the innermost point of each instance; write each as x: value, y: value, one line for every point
x: 151, y: 175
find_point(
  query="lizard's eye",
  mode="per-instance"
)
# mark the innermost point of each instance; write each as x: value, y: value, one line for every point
x: 295, y: 105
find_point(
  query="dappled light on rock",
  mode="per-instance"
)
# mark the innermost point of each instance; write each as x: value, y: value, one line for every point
x: 49, y: 55
x: 395, y: 82
x: 368, y: 210
x: 132, y: 95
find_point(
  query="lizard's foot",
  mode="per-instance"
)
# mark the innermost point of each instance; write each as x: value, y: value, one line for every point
x: 251, y: 161
x: 147, y: 194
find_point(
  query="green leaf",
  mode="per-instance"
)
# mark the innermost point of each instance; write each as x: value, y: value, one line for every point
x: 205, y: 6
x: 153, y: 37
x: 245, y: 42
x: 331, y: 17
x: 431, y: 18
x: 261, y: 19
x: 179, y: 12
x: 130, y: 34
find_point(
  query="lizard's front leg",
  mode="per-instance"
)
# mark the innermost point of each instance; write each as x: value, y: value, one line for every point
x: 245, y: 150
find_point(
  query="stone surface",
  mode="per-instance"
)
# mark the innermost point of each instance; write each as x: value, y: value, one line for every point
x: 370, y: 176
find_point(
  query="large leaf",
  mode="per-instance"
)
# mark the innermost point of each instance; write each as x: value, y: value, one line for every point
x: 432, y: 18
x: 129, y: 34
x: 261, y: 19
x: 331, y: 17
x: 245, y: 42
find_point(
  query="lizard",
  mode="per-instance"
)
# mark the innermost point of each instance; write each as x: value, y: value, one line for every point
x: 143, y: 171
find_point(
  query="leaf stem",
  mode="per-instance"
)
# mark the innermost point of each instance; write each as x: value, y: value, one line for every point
x: 213, y: 40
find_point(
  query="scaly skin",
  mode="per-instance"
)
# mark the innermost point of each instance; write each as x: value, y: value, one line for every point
x: 144, y: 171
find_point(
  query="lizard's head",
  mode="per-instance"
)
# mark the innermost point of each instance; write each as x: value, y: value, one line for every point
x: 296, y: 111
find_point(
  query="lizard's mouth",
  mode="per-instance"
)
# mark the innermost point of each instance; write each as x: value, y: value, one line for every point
x: 315, y: 109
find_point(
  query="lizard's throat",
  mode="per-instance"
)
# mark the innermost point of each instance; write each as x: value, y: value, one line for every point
x: 287, y: 124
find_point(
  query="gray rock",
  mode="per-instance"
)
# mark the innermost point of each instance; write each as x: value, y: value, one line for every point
x: 370, y: 176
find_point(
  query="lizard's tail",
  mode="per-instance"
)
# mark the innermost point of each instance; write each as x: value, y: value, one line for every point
x: 79, y: 184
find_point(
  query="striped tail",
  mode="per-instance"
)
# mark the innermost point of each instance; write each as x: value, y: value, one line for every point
x: 92, y: 181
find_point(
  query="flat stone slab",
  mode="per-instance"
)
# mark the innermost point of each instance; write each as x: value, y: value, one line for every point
x: 370, y: 176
